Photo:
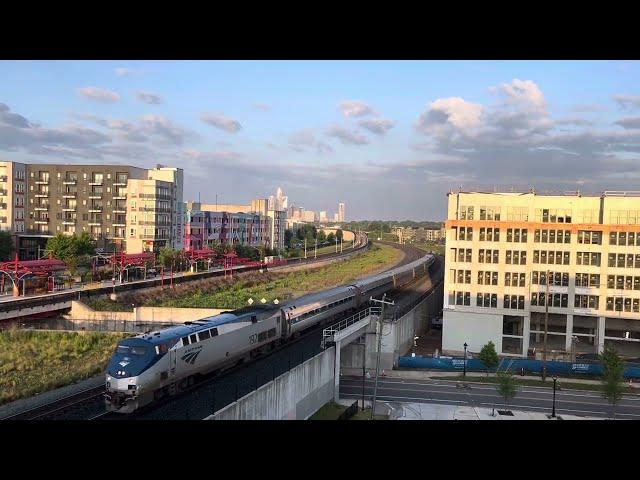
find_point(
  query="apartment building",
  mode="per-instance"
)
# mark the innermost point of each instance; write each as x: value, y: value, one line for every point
x: 13, y: 190
x: 510, y: 256
x: 259, y: 206
x: 406, y: 234
x: 208, y: 228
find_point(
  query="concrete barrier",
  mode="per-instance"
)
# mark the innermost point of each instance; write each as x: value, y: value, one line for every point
x: 294, y: 395
x: 81, y: 312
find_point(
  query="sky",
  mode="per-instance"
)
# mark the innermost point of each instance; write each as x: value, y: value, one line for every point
x: 388, y: 138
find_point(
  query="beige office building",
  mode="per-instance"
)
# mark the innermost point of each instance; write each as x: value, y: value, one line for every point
x: 502, y: 248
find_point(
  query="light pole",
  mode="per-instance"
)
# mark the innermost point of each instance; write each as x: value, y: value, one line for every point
x: 546, y: 326
x: 553, y: 411
x: 464, y: 371
x: 375, y: 386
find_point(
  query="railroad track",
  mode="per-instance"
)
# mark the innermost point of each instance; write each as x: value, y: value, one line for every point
x: 84, y: 400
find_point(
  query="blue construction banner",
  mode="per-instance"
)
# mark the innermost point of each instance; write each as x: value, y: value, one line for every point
x: 516, y: 365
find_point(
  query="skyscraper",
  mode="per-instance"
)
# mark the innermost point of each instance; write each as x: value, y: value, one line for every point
x: 341, y: 212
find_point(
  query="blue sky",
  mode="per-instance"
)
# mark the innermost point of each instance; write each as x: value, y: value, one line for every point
x: 389, y: 138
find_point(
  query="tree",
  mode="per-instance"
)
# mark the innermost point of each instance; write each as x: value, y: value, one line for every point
x: 488, y: 356
x: 331, y: 238
x: 166, y: 256
x: 612, y: 370
x: 507, y: 386
x: 7, y: 249
x: 322, y: 237
x: 65, y: 247
x: 288, y: 235
x: 339, y: 235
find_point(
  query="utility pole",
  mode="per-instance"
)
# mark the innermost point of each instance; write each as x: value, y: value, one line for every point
x: 305, y: 247
x: 315, y: 253
x: 546, y: 326
x: 375, y: 387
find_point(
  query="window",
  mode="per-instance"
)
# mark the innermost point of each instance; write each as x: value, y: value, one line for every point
x: 185, y: 341
x: 193, y: 338
x: 204, y: 335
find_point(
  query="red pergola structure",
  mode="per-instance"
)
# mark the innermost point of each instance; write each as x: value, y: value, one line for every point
x: 122, y: 262
x: 227, y: 262
x: 202, y: 255
x: 17, y: 270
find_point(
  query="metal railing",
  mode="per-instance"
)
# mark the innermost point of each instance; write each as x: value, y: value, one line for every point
x: 347, y: 322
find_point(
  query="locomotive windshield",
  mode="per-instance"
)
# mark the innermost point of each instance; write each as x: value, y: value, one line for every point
x: 129, y: 350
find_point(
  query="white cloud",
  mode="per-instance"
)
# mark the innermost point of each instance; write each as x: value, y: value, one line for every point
x: 123, y: 72
x: 379, y: 126
x: 148, y: 97
x: 345, y: 136
x: 452, y: 111
x: 354, y: 108
x: 223, y: 123
x: 627, y: 102
x: 99, y: 94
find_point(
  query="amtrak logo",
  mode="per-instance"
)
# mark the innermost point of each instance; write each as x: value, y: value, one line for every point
x: 123, y: 363
x: 191, y: 357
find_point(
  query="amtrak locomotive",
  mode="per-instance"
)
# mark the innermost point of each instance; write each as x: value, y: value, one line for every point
x: 147, y: 367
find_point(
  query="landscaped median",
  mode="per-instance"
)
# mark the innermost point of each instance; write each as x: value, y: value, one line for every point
x: 332, y: 410
x: 37, y: 361
x: 562, y: 384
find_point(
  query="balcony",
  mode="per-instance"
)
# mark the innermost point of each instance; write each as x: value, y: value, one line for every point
x: 42, y: 182
x: 96, y: 196
x: 70, y: 182
x: 93, y: 223
x: 95, y: 208
x: 42, y: 195
x: 119, y: 224
x: 42, y: 207
x: 69, y: 195
x: 3, y: 192
x: 96, y: 183
x: 118, y: 183
x: 68, y: 221
x: 42, y: 221
x: 3, y: 219
x: 3, y: 178
x: 119, y: 196
x: 68, y: 209
x: 3, y: 206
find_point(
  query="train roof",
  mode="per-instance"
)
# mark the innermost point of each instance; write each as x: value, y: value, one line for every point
x: 225, y: 322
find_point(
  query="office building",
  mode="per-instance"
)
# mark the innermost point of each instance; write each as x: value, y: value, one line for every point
x: 504, y: 251
x: 341, y: 212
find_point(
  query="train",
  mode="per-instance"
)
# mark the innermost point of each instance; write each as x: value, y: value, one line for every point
x: 145, y: 368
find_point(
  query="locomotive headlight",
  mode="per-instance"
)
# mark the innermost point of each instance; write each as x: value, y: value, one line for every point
x: 108, y: 378
x: 131, y: 380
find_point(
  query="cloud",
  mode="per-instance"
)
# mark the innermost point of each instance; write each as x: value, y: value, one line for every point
x: 99, y: 94
x: 379, y: 126
x: 123, y: 72
x: 574, y: 121
x: 12, y: 119
x: 148, y: 97
x: 629, y: 123
x: 223, y: 123
x: 454, y: 112
x: 587, y: 108
x: 345, y: 136
x: 301, y: 140
x: 354, y: 108
x: 627, y: 102
x: 163, y: 127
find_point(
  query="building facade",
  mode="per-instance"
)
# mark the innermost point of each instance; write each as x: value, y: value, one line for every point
x: 510, y: 256
x: 342, y: 212
x: 210, y: 228
x: 13, y: 191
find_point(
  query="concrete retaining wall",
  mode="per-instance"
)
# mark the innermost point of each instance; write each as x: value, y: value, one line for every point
x: 295, y: 395
x: 80, y: 311
x: 25, y: 311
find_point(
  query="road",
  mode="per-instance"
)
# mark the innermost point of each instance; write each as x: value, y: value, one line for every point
x: 534, y: 399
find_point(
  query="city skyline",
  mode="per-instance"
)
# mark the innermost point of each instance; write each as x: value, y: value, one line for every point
x: 407, y: 130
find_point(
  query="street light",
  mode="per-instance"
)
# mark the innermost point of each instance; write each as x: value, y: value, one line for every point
x: 553, y: 411
x: 464, y: 372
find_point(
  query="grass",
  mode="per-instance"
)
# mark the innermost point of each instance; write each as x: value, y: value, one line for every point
x: 437, y: 248
x: 332, y: 410
x: 287, y: 286
x: 106, y: 305
x: 37, y: 361
x: 564, y: 385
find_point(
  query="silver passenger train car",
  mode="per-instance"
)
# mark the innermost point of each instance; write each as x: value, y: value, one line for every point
x: 148, y: 367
